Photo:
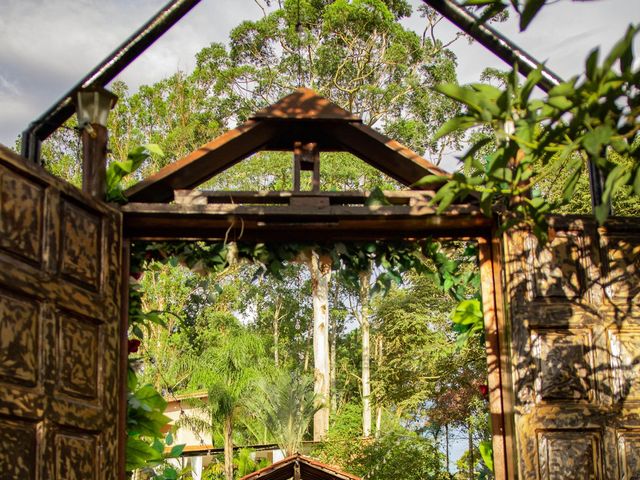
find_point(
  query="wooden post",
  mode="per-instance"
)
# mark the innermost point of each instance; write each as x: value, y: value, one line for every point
x: 124, y: 359
x: 94, y: 160
x: 306, y: 157
x: 296, y: 471
x: 498, y: 356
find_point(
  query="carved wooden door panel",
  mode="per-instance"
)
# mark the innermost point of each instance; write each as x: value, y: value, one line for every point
x: 60, y: 256
x: 575, y: 349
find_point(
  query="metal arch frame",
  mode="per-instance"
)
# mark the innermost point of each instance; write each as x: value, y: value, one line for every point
x: 41, y: 128
x: 173, y: 11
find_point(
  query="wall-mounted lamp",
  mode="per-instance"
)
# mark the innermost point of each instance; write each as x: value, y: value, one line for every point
x: 93, y: 105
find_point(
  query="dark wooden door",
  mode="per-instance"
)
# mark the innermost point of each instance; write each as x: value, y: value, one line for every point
x: 60, y: 257
x: 575, y: 350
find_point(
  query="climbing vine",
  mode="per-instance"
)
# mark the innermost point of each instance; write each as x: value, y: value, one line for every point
x: 147, y: 446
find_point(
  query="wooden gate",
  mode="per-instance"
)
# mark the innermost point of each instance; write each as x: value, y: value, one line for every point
x: 575, y: 350
x: 60, y: 257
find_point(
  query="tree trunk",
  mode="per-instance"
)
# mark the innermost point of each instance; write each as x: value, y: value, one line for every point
x: 471, y: 462
x: 308, y: 347
x: 227, y: 432
x: 276, y: 334
x: 320, y: 276
x: 366, y: 354
x: 446, y: 444
x: 378, y: 359
x: 332, y: 365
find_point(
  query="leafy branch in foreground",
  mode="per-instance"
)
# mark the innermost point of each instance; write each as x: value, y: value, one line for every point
x: 526, y: 9
x: 579, y: 121
x: 117, y: 170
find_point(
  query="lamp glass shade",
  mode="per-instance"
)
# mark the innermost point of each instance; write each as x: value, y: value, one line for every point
x: 93, y: 106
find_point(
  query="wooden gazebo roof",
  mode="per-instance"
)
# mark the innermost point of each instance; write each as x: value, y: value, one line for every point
x: 166, y: 205
x: 299, y: 467
x: 302, y: 117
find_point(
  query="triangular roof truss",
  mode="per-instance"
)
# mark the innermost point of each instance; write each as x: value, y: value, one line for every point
x: 166, y: 206
x: 299, y: 467
x: 302, y: 117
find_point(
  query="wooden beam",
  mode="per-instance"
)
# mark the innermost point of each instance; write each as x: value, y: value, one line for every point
x: 302, y: 223
x: 202, y: 164
x: 94, y: 160
x: 496, y: 341
x: 395, y: 197
x: 305, y: 104
x: 379, y: 151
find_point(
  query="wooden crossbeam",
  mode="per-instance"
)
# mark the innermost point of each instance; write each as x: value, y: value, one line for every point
x: 304, y: 223
x: 200, y: 165
x: 202, y: 197
x: 302, y: 122
x: 388, y: 156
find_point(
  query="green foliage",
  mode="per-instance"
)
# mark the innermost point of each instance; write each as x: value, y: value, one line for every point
x: 412, y: 324
x: 527, y: 10
x: 244, y: 464
x: 146, y: 443
x: 117, y: 170
x: 380, y: 458
x: 468, y: 320
x: 394, y: 257
x: 584, y: 120
x: 486, y: 451
x: 285, y: 406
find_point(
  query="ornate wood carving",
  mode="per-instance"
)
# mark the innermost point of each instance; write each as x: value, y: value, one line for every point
x: 574, y: 307
x: 60, y: 256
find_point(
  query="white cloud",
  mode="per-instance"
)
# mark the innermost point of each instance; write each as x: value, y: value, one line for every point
x: 49, y: 45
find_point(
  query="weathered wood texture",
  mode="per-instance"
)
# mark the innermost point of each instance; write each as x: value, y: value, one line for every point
x: 311, y: 221
x: 575, y: 350
x: 60, y: 256
x: 498, y: 361
x: 302, y: 117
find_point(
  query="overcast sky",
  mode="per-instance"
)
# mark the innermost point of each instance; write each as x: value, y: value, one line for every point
x: 46, y: 46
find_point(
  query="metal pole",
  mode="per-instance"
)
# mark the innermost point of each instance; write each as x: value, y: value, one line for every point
x: 494, y: 41
x: 510, y: 53
x: 106, y: 71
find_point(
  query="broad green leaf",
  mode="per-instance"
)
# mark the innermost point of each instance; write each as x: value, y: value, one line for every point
x: 150, y: 397
x: 596, y: 139
x: 468, y: 312
x: 592, y: 64
x: 486, y: 451
x: 461, y: 122
x: 154, y: 149
x: 623, y: 45
x: 139, y: 454
x: 430, y: 180
x: 575, y: 169
x: 464, y: 95
x: 564, y: 89
x: 486, y: 203
x: 532, y: 80
x: 176, y: 451
x: 560, y: 102
x: 377, y: 198
x: 530, y: 10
